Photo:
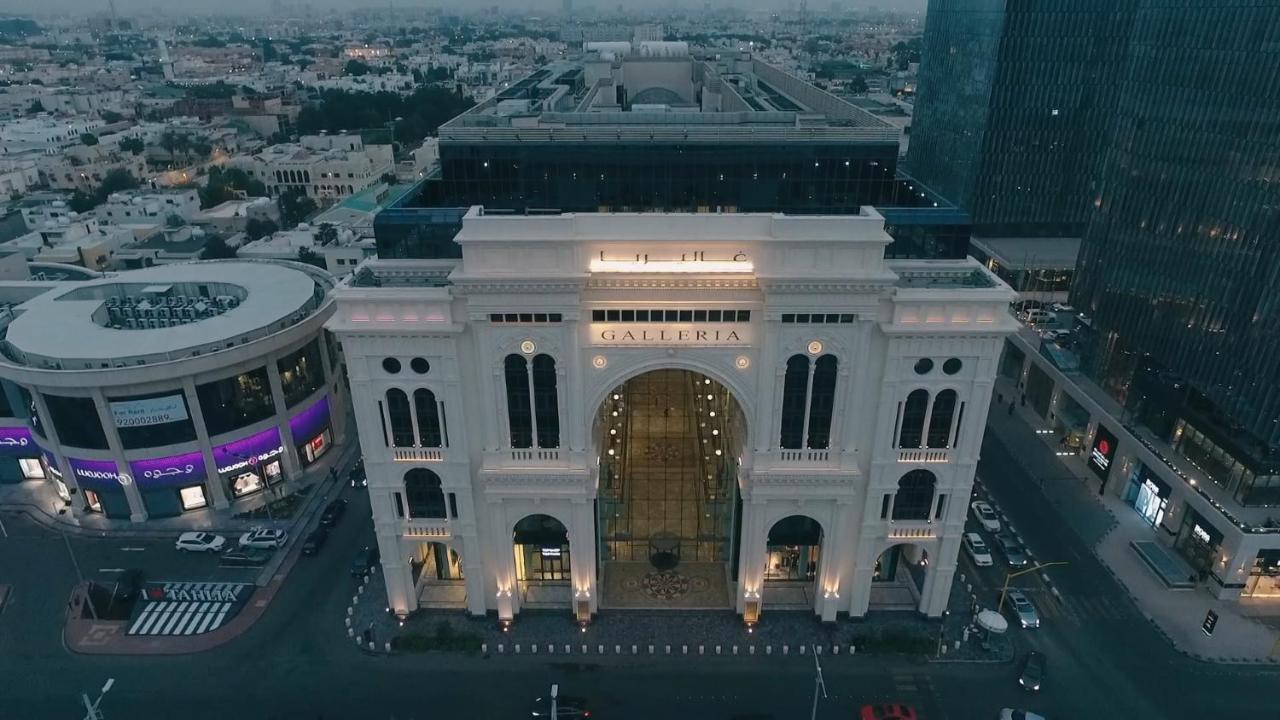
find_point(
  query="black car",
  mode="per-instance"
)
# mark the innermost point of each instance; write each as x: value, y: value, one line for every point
x: 333, y: 513
x: 365, y: 560
x: 1033, y: 671
x: 567, y: 707
x: 357, y: 475
x: 315, y: 540
x: 245, y: 557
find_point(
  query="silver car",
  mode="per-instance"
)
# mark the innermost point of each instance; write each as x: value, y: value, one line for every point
x: 1012, y: 549
x: 1021, y: 607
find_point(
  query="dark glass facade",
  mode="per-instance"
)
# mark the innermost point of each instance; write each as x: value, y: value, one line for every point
x: 234, y: 402
x: 301, y: 373
x: 1179, y: 269
x: 1014, y: 97
x: 75, y: 419
x: 795, y: 178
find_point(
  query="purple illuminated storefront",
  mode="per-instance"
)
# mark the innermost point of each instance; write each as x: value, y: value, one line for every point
x: 247, y: 465
x: 102, y: 485
x: 171, y: 485
x: 19, y: 456
x: 311, y: 431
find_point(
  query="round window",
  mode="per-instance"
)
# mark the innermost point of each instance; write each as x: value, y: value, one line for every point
x: 923, y: 366
x: 391, y: 365
x: 420, y: 365
x: 952, y: 366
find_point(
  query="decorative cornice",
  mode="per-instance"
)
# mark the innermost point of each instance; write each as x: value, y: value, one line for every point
x: 599, y: 282
x: 509, y: 285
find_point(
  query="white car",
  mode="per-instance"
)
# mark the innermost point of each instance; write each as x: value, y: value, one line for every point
x: 977, y: 549
x: 263, y: 538
x: 1012, y: 714
x: 1061, y: 307
x: 985, y: 516
x: 1056, y: 335
x: 200, y: 542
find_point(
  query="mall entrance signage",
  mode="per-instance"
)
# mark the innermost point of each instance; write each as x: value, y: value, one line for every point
x: 253, y: 450
x: 671, y: 334
x: 174, y: 470
x: 1102, y: 452
x: 98, y: 473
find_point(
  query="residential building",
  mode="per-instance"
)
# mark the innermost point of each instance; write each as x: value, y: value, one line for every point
x: 325, y: 168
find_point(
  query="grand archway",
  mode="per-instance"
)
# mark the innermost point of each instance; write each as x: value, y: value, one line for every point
x: 668, y: 509
x: 898, y: 579
x: 792, y: 555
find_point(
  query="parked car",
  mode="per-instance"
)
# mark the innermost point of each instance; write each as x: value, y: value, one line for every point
x: 887, y: 712
x: 1012, y: 714
x: 1012, y: 549
x: 1056, y: 335
x: 364, y: 561
x: 315, y: 540
x: 1036, y: 316
x: 1033, y: 671
x: 333, y: 512
x: 985, y: 516
x: 567, y: 706
x: 1020, y: 605
x: 1061, y: 307
x: 357, y: 476
x: 245, y: 557
x: 265, y: 538
x: 200, y: 542
x: 977, y: 549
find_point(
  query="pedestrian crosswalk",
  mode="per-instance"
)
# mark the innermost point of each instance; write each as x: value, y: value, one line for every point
x: 1082, y: 609
x: 180, y: 618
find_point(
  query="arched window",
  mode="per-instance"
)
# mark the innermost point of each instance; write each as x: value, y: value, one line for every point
x: 944, y: 409
x: 821, y: 402
x: 912, y: 431
x: 915, y: 496
x: 428, y: 413
x: 398, y: 414
x: 794, y: 386
x: 519, y: 416
x: 423, y: 494
x: 545, y: 404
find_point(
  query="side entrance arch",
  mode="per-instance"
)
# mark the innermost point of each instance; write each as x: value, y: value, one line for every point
x: 898, y: 580
x: 542, y: 561
x: 793, y: 555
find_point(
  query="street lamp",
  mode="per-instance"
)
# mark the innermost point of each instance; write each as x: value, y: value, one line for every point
x: 88, y: 594
x: 818, y: 685
x: 1009, y: 576
x: 91, y: 711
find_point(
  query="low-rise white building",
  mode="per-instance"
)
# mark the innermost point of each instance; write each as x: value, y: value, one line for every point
x: 741, y: 411
x: 324, y: 167
x: 134, y: 206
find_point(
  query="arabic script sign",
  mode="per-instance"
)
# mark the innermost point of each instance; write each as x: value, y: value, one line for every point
x: 255, y: 449
x: 185, y: 469
x: 17, y: 442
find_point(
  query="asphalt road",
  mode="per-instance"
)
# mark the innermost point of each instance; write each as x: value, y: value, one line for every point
x: 1104, y: 660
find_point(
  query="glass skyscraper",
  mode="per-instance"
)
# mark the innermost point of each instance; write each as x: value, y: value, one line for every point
x: 1013, y: 97
x: 1179, y: 269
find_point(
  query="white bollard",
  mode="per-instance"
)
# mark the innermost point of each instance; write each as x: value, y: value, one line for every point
x: 786, y: 649
x: 567, y: 650
x: 702, y: 650
x: 617, y: 649
x: 599, y: 649
x: 943, y: 649
x: 355, y: 599
x: 650, y: 649
x: 533, y: 648
x: 351, y: 632
x: 835, y: 649
x: 817, y: 649
x: 852, y: 649
x: 735, y: 649
x: 801, y: 649
x: 371, y: 646
x: 350, y: 611
x: 957, y: 644
x: 584, y: 649
x: 551, y: 649
x: 517, y: 648
x: 684, y: 649
x: 348, y: 622
x: 751, y: 650
x: 484, y: 647
x: 502, y: 649
x: 633, y: 649
x: 360, y: 590
x: 387, y: 645
x: 668, y: 649
x: 768, y: 649
x: 357, y: 642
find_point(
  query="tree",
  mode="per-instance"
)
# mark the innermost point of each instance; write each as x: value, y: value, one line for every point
x: 229, y: 184
x: 355, y: 68
x: 116, y: 180
x: 132, y: 145
x: 295, y: 206
x: 256, y: 229
x: 174, y: 220
x: 326, y: 234
x: 387, y: 178
x: 216, y: 248
x: 109, y: 116
x: 269, y: 53
x: 310, y: 257
x: 88, y: 139
x: 35, y: 108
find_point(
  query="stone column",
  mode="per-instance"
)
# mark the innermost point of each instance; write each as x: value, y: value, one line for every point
x: 582, y: 549
x: 292, y: 468
x: 137, y: 509
x: 396, y: 572
x: 754, y: 540
x: 217, y: 491
x: 863, y: 571
x: 473, y: 574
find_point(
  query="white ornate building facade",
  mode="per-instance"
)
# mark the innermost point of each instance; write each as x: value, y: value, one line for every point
x: 601, y: 411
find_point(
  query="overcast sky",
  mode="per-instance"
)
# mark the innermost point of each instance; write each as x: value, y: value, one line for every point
x: 177, y: 7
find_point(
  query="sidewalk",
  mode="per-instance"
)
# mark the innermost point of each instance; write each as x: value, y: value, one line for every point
x: 1109, y: 525
x: 94, y: 637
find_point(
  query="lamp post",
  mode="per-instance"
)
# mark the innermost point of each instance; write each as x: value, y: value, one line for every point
x: 93, y: 611
x: 818, y: 686
x: 1009, y: 576
x: 91, y: 711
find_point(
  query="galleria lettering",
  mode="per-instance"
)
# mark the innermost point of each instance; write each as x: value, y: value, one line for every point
x: 669, y: 335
